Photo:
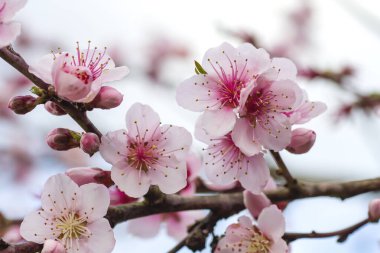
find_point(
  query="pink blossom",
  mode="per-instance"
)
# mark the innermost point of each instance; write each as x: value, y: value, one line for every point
x: 71, y: 215
x: 306, y: 111
x: 217, y: 93
x: 9, y: 31
x: 22, y: 104
x: 118, y: 197
x: 302, y: 141
x: 107, y: 98
x: 84, y: 175
x: 78, y: 77
x: 147, y: 153
x: 263, y: 108
x: 52, y: 246
x: 176, y: 224
x: 63, y: 139
x: 54, y: 109
x: 265, y: 237
x: 225, y: 163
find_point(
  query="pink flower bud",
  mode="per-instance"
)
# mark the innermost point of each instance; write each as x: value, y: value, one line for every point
x: 89, y: 143
x: 54, y: 109
x: 118, y: 197
x: 374, y: 210
x: 302, y: 141
x: 83, y: 175
x: 63, y: 139
x: 22, y: 104
x: 107, y: 98
x: 52, y: 246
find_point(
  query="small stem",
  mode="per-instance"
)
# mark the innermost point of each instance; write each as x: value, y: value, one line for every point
x: 291, y: 182
x: 342, y: 233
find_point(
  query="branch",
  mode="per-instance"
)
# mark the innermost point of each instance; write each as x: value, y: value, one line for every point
x: 234, y: 201
x: 342, y: 234
x: 76, y: 113
x: 291, y: 182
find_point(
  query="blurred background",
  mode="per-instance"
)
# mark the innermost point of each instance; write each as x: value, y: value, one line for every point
x: 335, y: 45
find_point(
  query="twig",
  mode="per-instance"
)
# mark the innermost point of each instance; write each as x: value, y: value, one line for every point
x: 72, y: 109
x: 342, y: 234
x: 291, y: 182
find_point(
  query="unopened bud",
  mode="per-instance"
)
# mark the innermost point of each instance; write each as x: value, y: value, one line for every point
x: 86, y: 175
x: 118, y: 197
x: 89, y: 143
x: 63, y: 139
x: 22, y: 104
x: 302, y: 141
x: 107, y: 98
x: 52, y: 246
x: 374, y: 210
x: 54, y: 109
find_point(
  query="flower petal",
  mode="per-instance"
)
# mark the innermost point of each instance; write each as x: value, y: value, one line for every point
x: 114, y: 74
x: 254, y: 173
x: 8, y: 33
x: 133, y: 182
x: 43, y: 68
x: 279, y: 246
x: 10, y: 9
x: 95, y: 201
x: 102, y: 239
x: 169, y: 180
x: 286, y: 68
x: 33, y: 227
x: 142, y: 121
x: 114, y: 146
x: 255, y: 203
x: 243, y: 137
x: 272, y: 223
x: 145, y: 227
x: 218, y: 122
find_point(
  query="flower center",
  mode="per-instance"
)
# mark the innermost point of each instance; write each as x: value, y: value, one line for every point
x: 72, y: 226
x: 229, y: 92
x: 141, y: 155
x: 258, y: 103
x: 258, y: 243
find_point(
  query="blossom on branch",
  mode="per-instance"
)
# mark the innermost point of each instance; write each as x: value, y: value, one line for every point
x: 78, y: 77
x: 9, y: 31
x: 147, y: 153
x: 71, y: 215
x: 265, y: 237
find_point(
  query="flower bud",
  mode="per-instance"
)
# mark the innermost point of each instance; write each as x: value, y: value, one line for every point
x: 63, y: 139
x: 374, y: 210
x: 89, y: 143
x: 107, y: 98
x: 302, y: 141
x: 54, y: 109
x: 52, y: 246
x: 86, y: 175
x: 118, y: 197
x: 22, y: 104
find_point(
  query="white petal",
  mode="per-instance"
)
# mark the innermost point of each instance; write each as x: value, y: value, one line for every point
x: 169, y: 180
x: 43, y: 68
x: 218, y: 122
x: 142, y: 121
x: 242, y: 136
x: 114, y: 74
x: 102, y: 239
x: 8, y: 33
x: 285, y: 67
x: 254, y: 174
x: 272, y: 222
x: 33, y: 227
x: 114, y: 146
x: 95, y: 201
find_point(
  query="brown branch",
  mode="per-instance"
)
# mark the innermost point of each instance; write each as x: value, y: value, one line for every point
x: 74, y: 110
x: 291, y: 182
x: 342, y: 234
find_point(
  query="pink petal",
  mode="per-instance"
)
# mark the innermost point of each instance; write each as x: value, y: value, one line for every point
x: 52, y: 246
x: 288, y: 95
x: 275, y: 135
x: 175, y: 141
x: 193, y: 165
x: 114, y: 74
x: 307, y: 111
x: 177, y: 223
x: 43, y: 68
x: 169, y: 180
x: 145, y: 227
x: 200, y: 133
x: 221, y: 57
x: 102, y: 239
x: 279, y: 246
x: 258, y: 59
x: 217, y: 173
x: 142, y: 121
x: 33, y: 228
x: 11, y: 7
x: 133, y: 182
x: 255, y: 174
x: 218, y: 122
x: 95, y: 202
x: 242, y: 136
x: 114, y: 146
x: 272, y: 223
x: 196, y: 93
x: 245, y: 222
x: 8, y: 33
x: 255, y: 203
x: 60, y: 193
x: 285, y: 67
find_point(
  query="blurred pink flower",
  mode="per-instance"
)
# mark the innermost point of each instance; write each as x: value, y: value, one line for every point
x: 217, y: 93
x: 107, y: 98
x: 225, y: 163
x: 78, y: 77
x: 72, y: 215
x: 302, y: 141
x: 147, y: 153
x: 9, y: 30
x: 176, y: 224
x: 265, y: 237
x: 193, y: 167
